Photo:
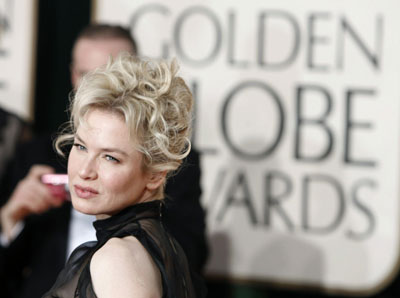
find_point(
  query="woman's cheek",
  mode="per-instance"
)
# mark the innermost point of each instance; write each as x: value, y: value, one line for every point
x: 74, y: 162
x: 116, y: 178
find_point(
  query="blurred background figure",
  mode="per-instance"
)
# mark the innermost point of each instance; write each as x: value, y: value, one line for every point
x: 13, y: 130
x: 39, y: 230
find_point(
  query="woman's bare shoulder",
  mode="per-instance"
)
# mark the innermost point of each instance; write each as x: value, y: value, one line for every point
x: 124, y: 268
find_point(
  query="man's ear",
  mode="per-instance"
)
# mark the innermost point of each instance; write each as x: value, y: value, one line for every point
x: 156, y: 180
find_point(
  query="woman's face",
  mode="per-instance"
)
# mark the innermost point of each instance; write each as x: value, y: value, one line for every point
x: 105, y: 171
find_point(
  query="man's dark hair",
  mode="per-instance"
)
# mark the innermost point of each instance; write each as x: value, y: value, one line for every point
x: 106, y: 31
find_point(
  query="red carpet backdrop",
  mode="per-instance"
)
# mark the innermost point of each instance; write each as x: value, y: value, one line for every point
x: 297, y: 118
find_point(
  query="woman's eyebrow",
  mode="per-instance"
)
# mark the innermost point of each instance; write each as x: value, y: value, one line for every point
x: 114, y: 150
x: 79, y: 138
x: 106, y: 149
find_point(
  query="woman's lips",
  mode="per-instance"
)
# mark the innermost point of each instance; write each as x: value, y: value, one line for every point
x: 85, y: 192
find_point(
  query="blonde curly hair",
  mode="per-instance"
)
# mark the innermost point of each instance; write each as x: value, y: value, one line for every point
x: 155, y: 103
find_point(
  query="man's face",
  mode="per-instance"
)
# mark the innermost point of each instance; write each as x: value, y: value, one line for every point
x: 90, y: 54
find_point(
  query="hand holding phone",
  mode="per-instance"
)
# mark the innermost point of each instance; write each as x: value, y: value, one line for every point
x: 58, y: 185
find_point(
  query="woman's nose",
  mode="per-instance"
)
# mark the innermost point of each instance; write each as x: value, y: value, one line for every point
x: 88, y: 169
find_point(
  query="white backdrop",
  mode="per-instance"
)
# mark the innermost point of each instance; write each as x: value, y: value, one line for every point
x: 297, y: 117
x: 17, y: 54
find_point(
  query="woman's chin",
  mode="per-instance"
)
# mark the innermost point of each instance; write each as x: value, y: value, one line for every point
x: 82, y: 206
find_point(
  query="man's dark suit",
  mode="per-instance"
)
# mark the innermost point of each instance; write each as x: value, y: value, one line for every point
x: 30, y: 265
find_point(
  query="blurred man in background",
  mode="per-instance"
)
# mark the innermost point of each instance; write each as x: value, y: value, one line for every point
x: 13, y: 130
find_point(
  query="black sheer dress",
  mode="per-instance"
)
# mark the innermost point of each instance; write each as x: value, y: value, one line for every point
x: 142, y: 221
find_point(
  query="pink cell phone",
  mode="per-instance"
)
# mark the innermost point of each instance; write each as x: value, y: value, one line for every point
x: 58, y: 185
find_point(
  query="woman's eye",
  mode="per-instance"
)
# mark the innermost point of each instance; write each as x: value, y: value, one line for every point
x: 110, y: 158
x: 80, y: 147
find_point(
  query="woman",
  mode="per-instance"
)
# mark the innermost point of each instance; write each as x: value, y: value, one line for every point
x: 130, y: 126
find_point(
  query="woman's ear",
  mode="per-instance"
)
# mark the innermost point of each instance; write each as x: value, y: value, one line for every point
x: 156, y: 180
